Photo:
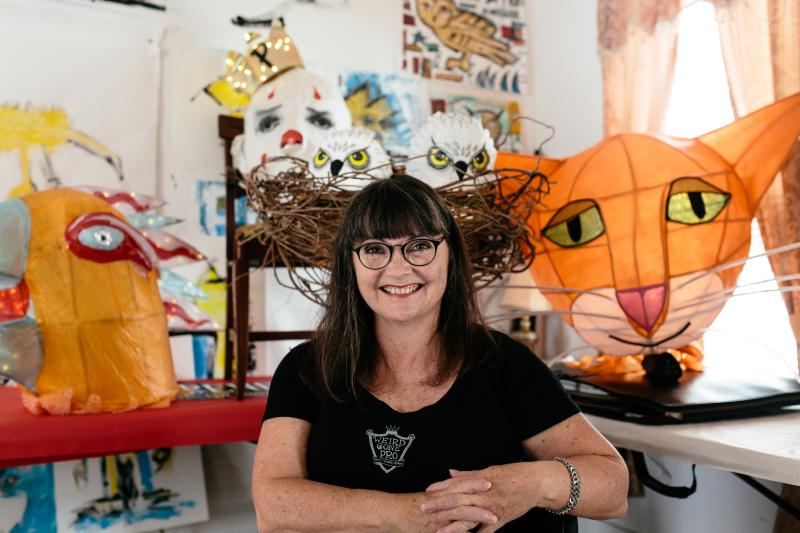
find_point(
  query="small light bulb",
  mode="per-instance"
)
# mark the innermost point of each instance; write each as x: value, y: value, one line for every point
x: 288, y: 40
x: 247, y: 37
x: 269, y: 44
x: 263, y: 68
x: 279, y: 43
x: 240, y: 68
x: 229, y: 79
x: 244, y: 85
x: 263, y: 78
x: 274, y: 68
x: 286, y: 48
x: 247, y: 71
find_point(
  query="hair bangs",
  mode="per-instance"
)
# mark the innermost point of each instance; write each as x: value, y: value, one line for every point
x: 391, y: 211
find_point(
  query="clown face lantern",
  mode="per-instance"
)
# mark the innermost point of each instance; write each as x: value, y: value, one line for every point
x: 82, y: 325
x: 286, y: 117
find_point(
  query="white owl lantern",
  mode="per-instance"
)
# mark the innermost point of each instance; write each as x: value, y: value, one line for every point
x: 448, y: 147
x: 286, y: 117
x: 354, y: 154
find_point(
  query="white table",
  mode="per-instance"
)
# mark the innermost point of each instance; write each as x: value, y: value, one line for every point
x: 764, y: 447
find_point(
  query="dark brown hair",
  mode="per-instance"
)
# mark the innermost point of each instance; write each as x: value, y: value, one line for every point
x: 345, y: 348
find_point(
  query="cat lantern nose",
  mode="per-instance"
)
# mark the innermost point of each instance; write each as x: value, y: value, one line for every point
x: 643, y: 305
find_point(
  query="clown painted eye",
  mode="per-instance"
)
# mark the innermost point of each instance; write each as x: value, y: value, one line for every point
x: 575, y: 224
x: 437, y: 158
x: 101, y: 237
x: 693, y: 201
x: 358, y: 160
x: 320, y: 158
x: 480, y: 161
x: 268, y: 123
x: 319, y: 119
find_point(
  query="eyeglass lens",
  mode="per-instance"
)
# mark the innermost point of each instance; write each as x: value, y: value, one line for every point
x: 418, y: 252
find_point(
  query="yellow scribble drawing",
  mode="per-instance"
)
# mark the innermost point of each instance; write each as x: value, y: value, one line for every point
x: 371, y: 113
x: 23, y: 129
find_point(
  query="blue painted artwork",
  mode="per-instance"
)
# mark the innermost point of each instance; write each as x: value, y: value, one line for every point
x: 131, y: 492
x: 27, y: 501
x: 211, y: 201
x: 388, y: 104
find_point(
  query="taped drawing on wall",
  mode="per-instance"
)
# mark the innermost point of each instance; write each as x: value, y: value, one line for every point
x: 26, y: 499
x: 387, y: 104
x: 130, y: 492
x: 481, y: 42
x: 496, y: 116
x: 69, y: 115
x: 32, y: 132
x: 210, y: 197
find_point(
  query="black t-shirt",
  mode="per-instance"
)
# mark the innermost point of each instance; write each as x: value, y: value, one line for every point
x: 481, y: 421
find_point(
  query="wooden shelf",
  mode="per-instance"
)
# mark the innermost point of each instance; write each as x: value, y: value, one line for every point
x: 31, y: 439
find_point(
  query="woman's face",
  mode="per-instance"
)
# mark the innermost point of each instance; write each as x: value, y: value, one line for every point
x: 401, y: 293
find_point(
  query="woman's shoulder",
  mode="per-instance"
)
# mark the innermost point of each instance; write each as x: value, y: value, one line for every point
x: 512, y: 356
x: 298, y: 361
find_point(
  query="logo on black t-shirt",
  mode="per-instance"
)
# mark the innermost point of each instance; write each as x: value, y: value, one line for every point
x: 389, y: 449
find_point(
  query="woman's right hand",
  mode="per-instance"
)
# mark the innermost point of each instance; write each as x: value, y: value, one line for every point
x: 410, y: 516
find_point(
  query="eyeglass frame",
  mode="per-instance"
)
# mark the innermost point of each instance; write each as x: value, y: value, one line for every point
x: 402, y: 247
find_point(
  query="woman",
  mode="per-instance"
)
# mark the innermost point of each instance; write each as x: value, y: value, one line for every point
x: 404, y: 413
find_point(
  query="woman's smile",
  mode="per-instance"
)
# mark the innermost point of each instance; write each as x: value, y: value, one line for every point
x: 402, y: 291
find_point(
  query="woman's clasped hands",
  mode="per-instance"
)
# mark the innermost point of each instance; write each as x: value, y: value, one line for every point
x: 491, y: 497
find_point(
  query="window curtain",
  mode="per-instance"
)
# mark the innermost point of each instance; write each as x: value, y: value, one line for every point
x: 638, y: 46
x: 761, y: 49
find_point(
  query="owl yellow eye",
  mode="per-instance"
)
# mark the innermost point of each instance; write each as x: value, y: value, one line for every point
x: 480, y: 161
x: 358, y: 160
x: 320, y: 158
x: 437, y: 158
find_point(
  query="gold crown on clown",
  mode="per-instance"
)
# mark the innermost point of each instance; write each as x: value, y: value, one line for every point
x: 266, y: 58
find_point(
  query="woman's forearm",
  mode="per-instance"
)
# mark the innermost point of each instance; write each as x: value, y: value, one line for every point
x: 603, y: 482
x: 296, y: 504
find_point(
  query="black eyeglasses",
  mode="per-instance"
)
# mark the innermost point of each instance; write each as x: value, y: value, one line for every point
x: 418, y: 252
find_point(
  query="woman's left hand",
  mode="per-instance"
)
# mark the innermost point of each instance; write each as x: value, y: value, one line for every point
x: 512, y: 494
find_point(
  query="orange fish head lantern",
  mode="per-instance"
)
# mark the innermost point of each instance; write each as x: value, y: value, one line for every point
x: 644, y: 236
x: 82, y: 325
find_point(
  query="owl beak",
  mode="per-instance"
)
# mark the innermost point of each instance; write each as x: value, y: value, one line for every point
x: 461, y: 169
x: 336, y: 167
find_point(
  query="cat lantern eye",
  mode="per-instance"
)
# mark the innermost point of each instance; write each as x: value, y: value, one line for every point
x: 575, y: 224
x: 694, y: 201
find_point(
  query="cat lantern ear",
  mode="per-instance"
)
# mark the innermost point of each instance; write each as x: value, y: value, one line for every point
x: 758, y: 145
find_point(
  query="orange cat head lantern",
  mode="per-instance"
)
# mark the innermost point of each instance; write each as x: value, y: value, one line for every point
x: 82, y: 325
x: 643, y: 235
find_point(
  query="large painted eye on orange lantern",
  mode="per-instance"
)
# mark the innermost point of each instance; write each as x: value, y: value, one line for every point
x: 575, y: 224
x: 694, y: 201
x: 103, y: 238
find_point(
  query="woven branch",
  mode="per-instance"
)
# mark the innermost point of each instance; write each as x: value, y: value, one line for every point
x: 299, y: 213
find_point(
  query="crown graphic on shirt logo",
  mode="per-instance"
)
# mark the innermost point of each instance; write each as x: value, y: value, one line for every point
x: 392, y: 429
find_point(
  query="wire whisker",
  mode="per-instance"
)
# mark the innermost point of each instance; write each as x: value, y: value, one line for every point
x: 736, y: 262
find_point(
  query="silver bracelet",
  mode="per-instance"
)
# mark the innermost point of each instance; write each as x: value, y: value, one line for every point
x: 575, y: 490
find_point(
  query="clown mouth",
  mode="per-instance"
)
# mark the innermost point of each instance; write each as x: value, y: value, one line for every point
x: 405, y: 290
x: 653, y: 344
